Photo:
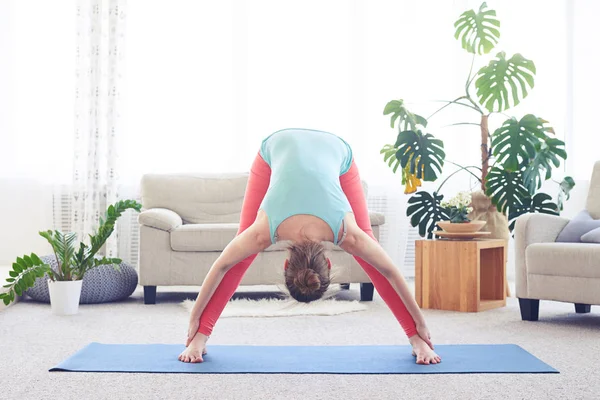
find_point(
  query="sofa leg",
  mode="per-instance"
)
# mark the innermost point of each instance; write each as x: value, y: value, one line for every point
x: 530, y: 309
x: 582, y: 308
x: 345, y: 286
x: 149, y: 294
x: 366, y: 291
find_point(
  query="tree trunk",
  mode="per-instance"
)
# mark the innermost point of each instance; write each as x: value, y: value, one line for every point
x: 484, y: 150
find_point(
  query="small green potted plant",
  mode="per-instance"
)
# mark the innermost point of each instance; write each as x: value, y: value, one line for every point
x: 458, y: 209
x: 64, y: 283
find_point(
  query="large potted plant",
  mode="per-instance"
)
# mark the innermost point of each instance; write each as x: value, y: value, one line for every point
x: 516, y: 158
x: 64, y: 282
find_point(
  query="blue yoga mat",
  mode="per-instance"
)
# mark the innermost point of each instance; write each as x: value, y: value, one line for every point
x: 456, y: 359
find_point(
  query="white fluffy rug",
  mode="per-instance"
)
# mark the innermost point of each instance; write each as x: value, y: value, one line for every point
x: 287, y: 307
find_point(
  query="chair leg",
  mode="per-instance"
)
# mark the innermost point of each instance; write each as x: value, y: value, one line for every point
x: 530, y: 309
x: 149, y: 294
x: 366, y: 291
x: 582, y: 308
x: 345, y: 286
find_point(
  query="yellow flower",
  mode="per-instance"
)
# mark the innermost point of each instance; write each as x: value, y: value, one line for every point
x: 410, y: 181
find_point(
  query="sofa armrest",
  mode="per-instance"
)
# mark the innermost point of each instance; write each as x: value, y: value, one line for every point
x: 529, y: 229
x: 160, y: 218
x: 376, y: 218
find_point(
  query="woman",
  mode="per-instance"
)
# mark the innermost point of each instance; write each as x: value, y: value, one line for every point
x: 304, y: 187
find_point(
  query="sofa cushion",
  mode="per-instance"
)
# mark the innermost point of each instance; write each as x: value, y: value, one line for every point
x: 564, y: 259
x: 592, y: 203
x: 196, y: 198
x: 160, y: 218
x: 376, y: 218
x: 202, y: 237
x: 581, y: 224
x: 592, y: 236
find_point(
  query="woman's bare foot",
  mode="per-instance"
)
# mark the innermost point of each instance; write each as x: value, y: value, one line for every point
x: 194, y: 352
x: 423, y: 352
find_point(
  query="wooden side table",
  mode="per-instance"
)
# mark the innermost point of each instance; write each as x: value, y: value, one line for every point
x: 460, y: 275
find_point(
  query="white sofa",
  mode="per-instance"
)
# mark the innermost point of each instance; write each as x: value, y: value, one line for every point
x: 187, y: 220
x: 545, y: 270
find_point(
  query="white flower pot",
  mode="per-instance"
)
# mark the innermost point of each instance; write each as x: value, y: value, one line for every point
x: 64, y: 296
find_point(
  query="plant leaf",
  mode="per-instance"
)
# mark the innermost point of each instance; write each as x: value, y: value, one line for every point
x: 17, y: 268
x: 547, y: 155
x: 106, y: 261
x: 104, y: 231
x: 389, y: 156
x: 21, y: 263
x: 28, y: 261
x: 408, y: 120
x: 423, y: 152
x: 505, y: 189
x: 540, y: 203
x: 478, y: 32
x: 514, y: 143
x: 36, y: 260
x: 504, y: 83
x: 425, y: 211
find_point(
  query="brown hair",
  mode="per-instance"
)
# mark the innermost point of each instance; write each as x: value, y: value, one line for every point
x: 307, y: 273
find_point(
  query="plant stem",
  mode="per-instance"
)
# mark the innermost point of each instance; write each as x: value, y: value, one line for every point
x: 59, y: 274
x: 468, y: 84
x: 455, y: 101
x: 461, y: 123
x: 457, y: 171
x: 469, y: 80
x: 470, y: 166
x: 468, y: 97
x: 485, y: 133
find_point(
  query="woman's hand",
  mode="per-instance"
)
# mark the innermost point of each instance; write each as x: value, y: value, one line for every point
x: 192, y: 330
x: 424, y: 334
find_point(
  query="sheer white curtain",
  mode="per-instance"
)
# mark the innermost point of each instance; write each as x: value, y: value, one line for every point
x: 100, y: 53
x: 206, y: 81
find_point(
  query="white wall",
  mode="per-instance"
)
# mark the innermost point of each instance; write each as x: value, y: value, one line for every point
x: 25, y: 205
x: 26, y: 208
x: 585, y: 137
x: 6, y: 83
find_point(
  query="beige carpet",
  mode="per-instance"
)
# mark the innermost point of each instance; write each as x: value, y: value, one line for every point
x: 32, y: 340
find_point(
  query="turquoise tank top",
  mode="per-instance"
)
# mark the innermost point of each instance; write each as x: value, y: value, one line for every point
x: 305, y: 177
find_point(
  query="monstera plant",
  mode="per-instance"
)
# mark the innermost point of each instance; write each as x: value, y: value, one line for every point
x: 516, y: 158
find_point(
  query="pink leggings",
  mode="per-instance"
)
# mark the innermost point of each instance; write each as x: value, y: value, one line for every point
x: 258, y: 183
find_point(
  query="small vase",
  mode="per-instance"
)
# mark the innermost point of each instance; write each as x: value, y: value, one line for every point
x: 461, y: 227
x: 64, y: 296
